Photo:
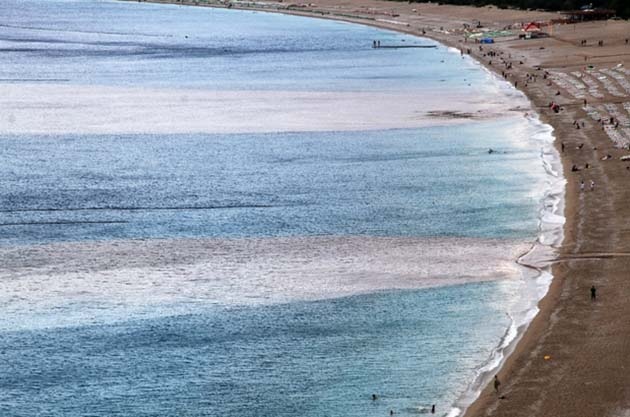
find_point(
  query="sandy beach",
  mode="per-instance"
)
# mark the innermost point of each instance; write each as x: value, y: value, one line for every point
x: 571, y: 359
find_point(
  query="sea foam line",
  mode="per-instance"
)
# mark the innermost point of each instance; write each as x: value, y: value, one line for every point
x: 550, y: 236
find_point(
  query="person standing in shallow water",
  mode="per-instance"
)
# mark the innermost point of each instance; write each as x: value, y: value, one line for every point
x: 593, y: 293
x: 497, y: 384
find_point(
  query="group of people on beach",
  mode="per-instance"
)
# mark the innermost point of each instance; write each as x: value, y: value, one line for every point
x: 584, y: 42
x: 586, y: 178
x: 582, y: 185
x: 611, y: 120
x: 575, y: 168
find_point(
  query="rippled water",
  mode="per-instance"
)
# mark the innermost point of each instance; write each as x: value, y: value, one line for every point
x: 126, y: 44
x: 166, y: 69
x: 321, y: 358
x: 206, y: 212
x: 433, y: 182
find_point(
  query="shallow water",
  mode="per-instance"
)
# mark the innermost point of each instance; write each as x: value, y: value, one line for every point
x: 321, y: 358
x: 158, y: 262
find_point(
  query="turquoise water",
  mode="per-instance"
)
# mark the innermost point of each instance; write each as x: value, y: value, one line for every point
x: 323, y: 358
x: 119, y: 331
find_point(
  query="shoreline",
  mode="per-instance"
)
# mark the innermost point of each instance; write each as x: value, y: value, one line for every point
x: 533, y: 261
x: 543, y: 276
x: 567, y: 361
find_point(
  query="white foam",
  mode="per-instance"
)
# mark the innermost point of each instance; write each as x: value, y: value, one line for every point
x: 47, y: 109
x: 536, y: 272
x: 121, y: 277
x: 454, y: 412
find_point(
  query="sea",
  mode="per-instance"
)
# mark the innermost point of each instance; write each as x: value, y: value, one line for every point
x: 212, y: 212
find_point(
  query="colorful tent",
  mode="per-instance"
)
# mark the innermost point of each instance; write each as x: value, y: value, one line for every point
x: 532, y: 27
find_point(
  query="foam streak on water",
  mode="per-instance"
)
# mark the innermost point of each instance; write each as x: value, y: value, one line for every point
x: 43, y: 109
x: 128, y: 278
x: 536, y: 267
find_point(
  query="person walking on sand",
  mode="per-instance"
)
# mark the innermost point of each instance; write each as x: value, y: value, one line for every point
x: 592, y: 185
x: 581, y: 185
x: 497, y: 384
x: 593, y: 293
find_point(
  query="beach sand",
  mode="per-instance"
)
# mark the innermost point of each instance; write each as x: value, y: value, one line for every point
x: 571, y: 359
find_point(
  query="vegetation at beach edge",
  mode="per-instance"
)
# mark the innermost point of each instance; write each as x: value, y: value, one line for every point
x: 622, y: 7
